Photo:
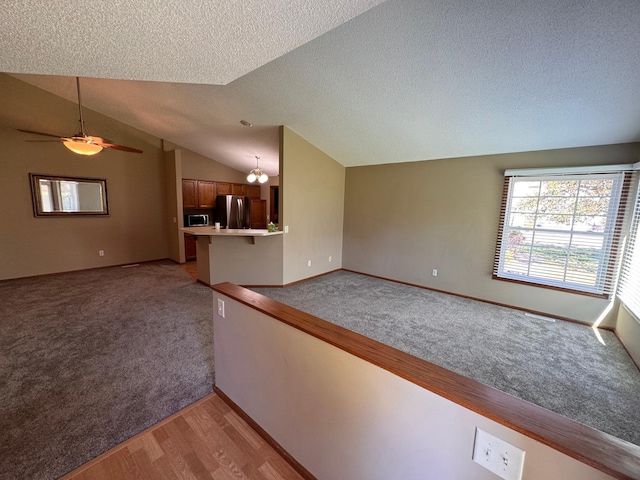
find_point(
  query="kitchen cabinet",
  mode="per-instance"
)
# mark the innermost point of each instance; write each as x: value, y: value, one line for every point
x: 189, y: 193
x: 252, y: 191
x: 198, y: 193
x: 223, y: 188
x: 206, y: 194
x: 189, y: 247
x: 258, y: 213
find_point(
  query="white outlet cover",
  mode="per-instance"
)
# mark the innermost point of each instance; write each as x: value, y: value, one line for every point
x: 498, y: 456
x: 286, y: 229
x: 221, y: 307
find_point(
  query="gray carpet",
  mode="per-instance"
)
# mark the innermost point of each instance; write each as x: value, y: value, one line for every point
x: 89, y: 359
x: 560, y: 366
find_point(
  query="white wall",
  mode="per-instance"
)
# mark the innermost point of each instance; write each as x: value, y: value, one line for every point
x: 344, y: 418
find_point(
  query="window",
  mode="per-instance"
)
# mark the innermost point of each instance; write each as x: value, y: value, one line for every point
x: 561, y: 230
x: 629, y: 291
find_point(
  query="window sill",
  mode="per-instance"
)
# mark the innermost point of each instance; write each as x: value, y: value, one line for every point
x: 604, y: 296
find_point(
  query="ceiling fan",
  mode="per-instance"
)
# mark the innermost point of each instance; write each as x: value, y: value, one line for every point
x: 81, y: 143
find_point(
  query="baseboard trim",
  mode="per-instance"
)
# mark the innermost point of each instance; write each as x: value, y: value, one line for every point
x: 483, y: 300
x: 297, y: 466
x: 311, y: 278
x: 85, y: 269
x: 292, y: 283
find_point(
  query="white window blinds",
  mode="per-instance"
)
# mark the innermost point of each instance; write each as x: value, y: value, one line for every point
x: 629, y: 288
x: 561, y: 230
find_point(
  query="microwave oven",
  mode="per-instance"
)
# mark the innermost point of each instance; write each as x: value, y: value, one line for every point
x: 196, y: 220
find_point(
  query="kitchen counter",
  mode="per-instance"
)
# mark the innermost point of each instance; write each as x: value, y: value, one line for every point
x: 223, y: 255
x: 230, y: 232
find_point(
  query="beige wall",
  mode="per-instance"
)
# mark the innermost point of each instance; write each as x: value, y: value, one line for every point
x: 238, y: 260
x: 628, y: 330
x: 135, y: 230
x: 173, y: 176
x: 403, y: 220
x: 344, y: 418
x: 312, y: 191
x: 199, y: 167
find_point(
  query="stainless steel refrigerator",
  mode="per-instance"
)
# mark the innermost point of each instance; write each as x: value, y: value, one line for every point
x: 233, y: 211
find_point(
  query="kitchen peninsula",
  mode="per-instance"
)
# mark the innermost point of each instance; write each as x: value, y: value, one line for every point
x: 241, y: 256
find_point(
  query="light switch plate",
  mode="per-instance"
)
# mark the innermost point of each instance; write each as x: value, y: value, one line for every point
x: 221, y: 307
x: 498, y: 456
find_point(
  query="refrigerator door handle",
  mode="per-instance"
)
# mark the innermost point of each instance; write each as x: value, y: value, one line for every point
x: 238, y: 213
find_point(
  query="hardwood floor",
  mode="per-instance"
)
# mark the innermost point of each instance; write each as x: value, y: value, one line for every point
x: 206, y: 440
x: 191, y: 268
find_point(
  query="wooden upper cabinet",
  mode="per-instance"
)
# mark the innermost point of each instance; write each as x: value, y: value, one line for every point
x: 223, y: 188
x: 258, y: 213
x: 202, y: 193
x: 252, y: 191
x: 189, y: 193
x: 206, y: 194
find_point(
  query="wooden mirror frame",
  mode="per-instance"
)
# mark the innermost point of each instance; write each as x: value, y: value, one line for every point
x: 52, y: 206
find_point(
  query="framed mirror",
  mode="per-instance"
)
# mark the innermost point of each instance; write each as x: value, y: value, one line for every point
x: 65, y: 196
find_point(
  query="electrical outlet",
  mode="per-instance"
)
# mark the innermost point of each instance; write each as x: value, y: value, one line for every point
x: 498, y: 456
x: 434, y: 272
x: 175, y: 220
x: 221, y: 307
x: 286, y: 229
x: 329, y: 257
x: 101, y: 253
x: 308, y: 263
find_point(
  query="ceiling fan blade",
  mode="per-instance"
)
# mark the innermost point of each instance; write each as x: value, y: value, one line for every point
x: 103, y: 142
x: 121, y: 147
x: 39, y: 133
x: 82, y: 136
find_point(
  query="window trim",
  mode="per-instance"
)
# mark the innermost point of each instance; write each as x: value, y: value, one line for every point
x: 609, y: 267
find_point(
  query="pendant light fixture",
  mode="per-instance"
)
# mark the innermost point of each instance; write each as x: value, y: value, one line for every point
x: 81, y: 147
x: 257, y: 174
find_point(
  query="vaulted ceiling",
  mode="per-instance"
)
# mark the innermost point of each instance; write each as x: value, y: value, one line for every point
x: 368, y: 82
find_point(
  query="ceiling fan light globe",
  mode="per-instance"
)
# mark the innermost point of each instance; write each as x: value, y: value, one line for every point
x: 251, y: 177
x: 82, y: 148
x: 263, y: 178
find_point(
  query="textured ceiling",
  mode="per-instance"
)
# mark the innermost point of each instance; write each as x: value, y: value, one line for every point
x: 403, y: 81
x: 190, y: 41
